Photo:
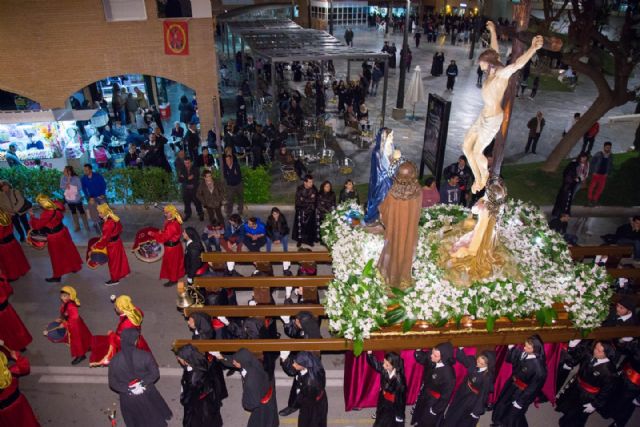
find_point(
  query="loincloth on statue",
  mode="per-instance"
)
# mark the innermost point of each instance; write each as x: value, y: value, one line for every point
x: 486, y: 128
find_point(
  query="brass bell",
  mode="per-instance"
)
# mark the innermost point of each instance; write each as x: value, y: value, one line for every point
x: 184, y: 300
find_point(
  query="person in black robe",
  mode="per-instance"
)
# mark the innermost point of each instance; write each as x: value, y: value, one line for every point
x: 326, y: 203
x: 438, y: 382
x: 470, y: 400
x: 570, y: 177
x: 392, y: 398
x: 529, y: 375
x: 309, y: 386
x: 304, y: 224
x: 193, y: 265
x: 198, y: 396
x: 304, y: 325
x: 591, y: 388
x: 626, y: 396
x: 133, y: 374
x: 437, y: 64
x: 258, y: 391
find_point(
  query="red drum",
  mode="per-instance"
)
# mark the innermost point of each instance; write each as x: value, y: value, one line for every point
x: 95, y: 257
x: 37, y: 239
x: 145, y: 247
x: 56, y: 332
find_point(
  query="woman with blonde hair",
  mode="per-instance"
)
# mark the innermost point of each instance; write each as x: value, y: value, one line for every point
x: 14, y: 407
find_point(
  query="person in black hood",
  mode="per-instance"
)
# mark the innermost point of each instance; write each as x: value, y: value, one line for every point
x: 193, y: 265
x: 626, y: 397
x: 529, y: 375
x: 198, y: 396
x: 133, y: 374
x: 258, y: 392
x: 438, y: 382
x: 393, y: 390
x: 304, y: 325
x: 470, y: 400
x: 200, y: 324
x: 309, y: 384
x: 591, y: 389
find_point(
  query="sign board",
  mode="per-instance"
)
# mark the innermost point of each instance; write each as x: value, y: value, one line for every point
x: 176, y: 37
x: 435, y: 135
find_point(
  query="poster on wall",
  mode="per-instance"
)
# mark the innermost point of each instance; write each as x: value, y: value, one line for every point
x: 176, y: 37
x: 435, y: 135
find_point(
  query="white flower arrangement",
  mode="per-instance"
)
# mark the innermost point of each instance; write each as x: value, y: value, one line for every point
x: 546, y: 275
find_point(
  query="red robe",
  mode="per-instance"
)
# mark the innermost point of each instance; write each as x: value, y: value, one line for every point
x: 79, y: 336
x: 18, y: 413
x: 104, y: 347
x: 118, y: 263
x: 172, y: 267
x: 64, y: 254
x: 13, y: 263
x: 13, y: 332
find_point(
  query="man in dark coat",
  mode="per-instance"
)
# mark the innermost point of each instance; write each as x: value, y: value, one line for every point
x: 452, y: 73
x: 258, y: 392
x: 304, y: 224
x: 133, y: 374
x: 591, y: 388
x: 535, y: 126
x: 438, y: 382
x: 189, y: 178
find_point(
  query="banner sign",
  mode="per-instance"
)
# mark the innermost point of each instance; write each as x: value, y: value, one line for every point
x: 435, y: 135
x: 176, y: 37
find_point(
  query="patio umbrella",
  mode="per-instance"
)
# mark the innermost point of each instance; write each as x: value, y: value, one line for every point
x: 415, y: 90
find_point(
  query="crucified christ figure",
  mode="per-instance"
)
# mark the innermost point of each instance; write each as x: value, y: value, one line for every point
x: 488, y: 123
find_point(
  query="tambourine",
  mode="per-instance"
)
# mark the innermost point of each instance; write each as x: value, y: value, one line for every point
x: 37, y: 239
x: 145, y: 247
x: 95, y: 257
x: 56, y: 332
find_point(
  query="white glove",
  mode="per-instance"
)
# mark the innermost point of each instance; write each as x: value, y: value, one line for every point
x: 284, y: 354
x: 515, y: 405
x: 510, y: 346
x: 286, y: 265
x: 474, y: 416
x: 574, y: 343
x: 252, y: 303
x: 431, y: 411
x: 224, y: 320
x: 231, y: 265
x: 588, y: 408
x: 622, y: 282
x: 567, y: 367
x: 369, y: 352
x: 399, y: 420
x: 286, y: 319
x: 636, y: 401
x: 137, y: 388
x: 216, y: 354
x: 189, y: 280
x: 626, y: 339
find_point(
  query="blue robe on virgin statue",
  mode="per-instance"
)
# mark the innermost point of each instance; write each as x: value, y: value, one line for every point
x: 380, y: 179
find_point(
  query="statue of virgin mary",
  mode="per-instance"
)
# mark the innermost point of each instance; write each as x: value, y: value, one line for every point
x: 380, y: 178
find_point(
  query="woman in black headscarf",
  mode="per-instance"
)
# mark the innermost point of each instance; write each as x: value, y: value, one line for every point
x: 198, y: 397
x: 438, y: 382
x: 471, y: 398
x: 200, y: 325
x: 133, y: 374
x: 193, y: 265
x: 309, y: 382
x: 258, y: 393
x: 393, y: 390
x: 529, y: 375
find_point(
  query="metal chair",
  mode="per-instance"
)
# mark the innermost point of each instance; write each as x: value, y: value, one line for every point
x: 345, y: 166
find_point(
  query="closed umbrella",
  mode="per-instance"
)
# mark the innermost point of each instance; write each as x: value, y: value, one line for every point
x: 415, y: 90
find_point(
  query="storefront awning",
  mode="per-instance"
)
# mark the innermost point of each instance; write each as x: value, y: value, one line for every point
x: 15, y: 117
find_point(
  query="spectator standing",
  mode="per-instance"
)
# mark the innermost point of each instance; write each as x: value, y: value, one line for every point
x: 94, y: 188
x: 210, y: 193
x: 255, y: 234
x: 430, y: 194
x: 480, y: 74
x: 304, y: 225
x: 325, y: 204
x: 234, y: 188
x: 177, y: 135
x: 189, y: 177
x: 71, y: 186
x: 534, y: 87
x: 12, y: 157
x: 141, y: 99
x: 601, y: 166
x: 277, y: 230
x: 416, y: 37
x: 348, y: 37
x: 376, y: 76
x: 131, y: 106
x: 186, y: 110
x: 452, y: 73
x: 450, y: 193
x: 535, y: 125
x: 192, y: 141
x: 205, y: 160
x: 590, y: 137
x: 570, y: 177
x: 13, y: 202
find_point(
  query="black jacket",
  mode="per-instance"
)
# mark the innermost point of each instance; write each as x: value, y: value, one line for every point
x: 192, y: 259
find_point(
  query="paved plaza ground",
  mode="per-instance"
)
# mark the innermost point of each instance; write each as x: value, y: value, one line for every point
x: 64, y: 395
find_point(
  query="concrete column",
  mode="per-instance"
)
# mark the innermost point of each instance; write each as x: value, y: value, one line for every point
x: 385, y: 83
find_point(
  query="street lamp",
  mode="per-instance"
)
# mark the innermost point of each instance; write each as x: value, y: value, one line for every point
x: 399, y: 110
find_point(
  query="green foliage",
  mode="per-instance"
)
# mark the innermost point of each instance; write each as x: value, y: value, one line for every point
x: 146, y: 185
x: 257, y: 184
x: 33, y: 181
